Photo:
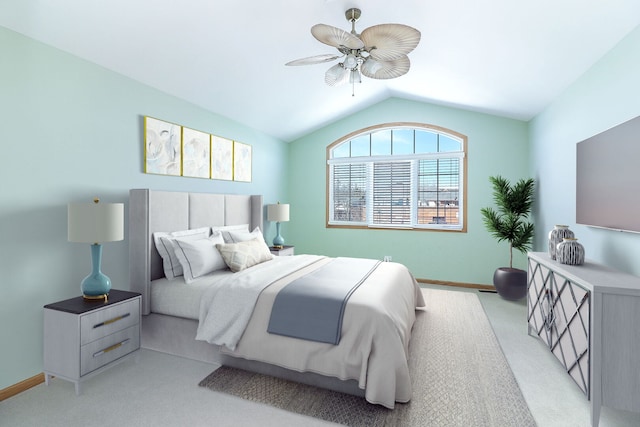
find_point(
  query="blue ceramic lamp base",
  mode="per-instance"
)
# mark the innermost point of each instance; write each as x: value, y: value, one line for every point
x: 96, y: 286
x: 278, y: 241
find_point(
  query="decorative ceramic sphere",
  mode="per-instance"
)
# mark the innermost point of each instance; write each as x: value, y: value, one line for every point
x: 570, y: 252
x: 556, y: 235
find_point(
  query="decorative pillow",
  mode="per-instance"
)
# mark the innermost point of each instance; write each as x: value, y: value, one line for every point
x: 241, y: 255
x: 243, y: 236
x: 225, y: 229
x: 199, y: 257
x: 164, y: 245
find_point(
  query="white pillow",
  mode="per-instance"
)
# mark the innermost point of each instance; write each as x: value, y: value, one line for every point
x: 199, y: 257
x: 241, y: 255
x: 225, y: 229
x: 163, y: 241
x: 243, y: 236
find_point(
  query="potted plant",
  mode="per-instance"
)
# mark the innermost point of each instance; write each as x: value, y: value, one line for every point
x: 509, y: 222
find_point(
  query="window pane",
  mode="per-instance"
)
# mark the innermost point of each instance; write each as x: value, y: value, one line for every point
x: 360, y: 146
x: 341, y: 150
x: 381, y: 143
x: 349, y: 192
x: 449, y: 144
x: 403, y: 141
x: 392, y: 193
x: 426, y: 142
x: 439, y: 191
x: 420, y: 190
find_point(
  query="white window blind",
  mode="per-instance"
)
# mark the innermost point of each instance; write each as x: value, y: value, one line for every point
x: 349, y: 183
x: 391, y: 191
x: 439, y: 191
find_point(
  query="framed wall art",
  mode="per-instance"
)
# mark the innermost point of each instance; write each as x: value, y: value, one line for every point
x: 196, y: 153
x: 241, y: 162
x: 221, y: 158
x: 162, y: 148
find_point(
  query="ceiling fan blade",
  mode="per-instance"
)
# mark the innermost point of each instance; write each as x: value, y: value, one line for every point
x: 391, y: 41
x: 317, y: 59
x: 383, y: 70
x: 335, y: 37
x: 336, y: 75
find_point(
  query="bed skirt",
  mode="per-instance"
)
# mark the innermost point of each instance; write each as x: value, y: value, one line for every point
x: 176, y: 336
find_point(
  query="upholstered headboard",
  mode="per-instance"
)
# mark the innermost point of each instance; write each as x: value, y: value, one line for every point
x: 151, y: 211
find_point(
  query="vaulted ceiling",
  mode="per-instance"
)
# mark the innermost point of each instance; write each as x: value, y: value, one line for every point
x: 504, y: 57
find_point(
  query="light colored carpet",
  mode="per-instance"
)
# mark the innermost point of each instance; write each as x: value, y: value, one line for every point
x: 460, y: 377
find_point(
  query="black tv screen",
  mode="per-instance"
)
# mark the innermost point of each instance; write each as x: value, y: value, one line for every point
x: 608, y: 178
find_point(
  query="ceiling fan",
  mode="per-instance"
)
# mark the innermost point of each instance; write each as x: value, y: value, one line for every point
x: 379, y: 52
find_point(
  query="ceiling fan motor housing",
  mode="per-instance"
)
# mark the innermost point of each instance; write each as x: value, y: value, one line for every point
x: 353, y: 14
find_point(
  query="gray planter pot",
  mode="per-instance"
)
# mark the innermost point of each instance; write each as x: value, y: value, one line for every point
x: 511, y: 283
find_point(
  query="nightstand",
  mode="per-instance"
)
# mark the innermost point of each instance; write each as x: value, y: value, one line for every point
x: 285, y: 251
x: 82, y: 338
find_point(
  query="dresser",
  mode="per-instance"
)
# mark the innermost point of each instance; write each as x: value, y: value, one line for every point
x: 589, y: 316
x: 83, y: 338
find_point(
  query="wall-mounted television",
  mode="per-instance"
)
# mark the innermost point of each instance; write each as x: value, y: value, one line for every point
x: 608, y: 178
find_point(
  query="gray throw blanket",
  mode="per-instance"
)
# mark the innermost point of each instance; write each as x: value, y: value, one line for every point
x: 312, y: 307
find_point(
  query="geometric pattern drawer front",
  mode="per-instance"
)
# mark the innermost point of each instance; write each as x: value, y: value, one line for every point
x: 98, y: 353
x: 100, y: 323
x: 539, y: 302
x: 570, y: 331
x: 558, y: 311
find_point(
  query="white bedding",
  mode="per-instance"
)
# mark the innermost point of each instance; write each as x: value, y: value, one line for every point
x: 375, y: 333
x: 226, y: 307
x: 178, y: 298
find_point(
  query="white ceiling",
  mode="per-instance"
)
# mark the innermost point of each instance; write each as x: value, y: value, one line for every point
x: 504, y: 57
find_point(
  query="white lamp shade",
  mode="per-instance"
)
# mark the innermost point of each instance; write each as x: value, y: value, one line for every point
x: 95, y: 222
x: 278, y: 213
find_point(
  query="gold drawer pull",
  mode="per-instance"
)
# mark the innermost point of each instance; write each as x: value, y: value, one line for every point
x: 107, y: 322
x: 113, y: 347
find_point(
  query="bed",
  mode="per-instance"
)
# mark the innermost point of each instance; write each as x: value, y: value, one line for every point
x: 370, y: 356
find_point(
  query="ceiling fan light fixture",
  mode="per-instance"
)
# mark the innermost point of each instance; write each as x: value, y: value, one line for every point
x: 371, y: 66
x: 355, y: 77
x: 335, y: 75
x: 350, y: 62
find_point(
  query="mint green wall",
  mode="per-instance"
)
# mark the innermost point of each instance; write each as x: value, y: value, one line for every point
x: 606, y: 95
x: 72, y: 130
x: 495, y: 146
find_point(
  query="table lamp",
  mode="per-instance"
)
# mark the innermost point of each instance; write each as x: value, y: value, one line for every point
x: 95, y: 223
x: 278, y: 213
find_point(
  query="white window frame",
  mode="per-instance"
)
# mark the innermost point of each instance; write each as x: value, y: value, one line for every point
x: 415, y: 161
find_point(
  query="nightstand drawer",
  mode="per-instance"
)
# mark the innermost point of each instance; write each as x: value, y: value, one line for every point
x: 97, y: 324
x: 99, y: 353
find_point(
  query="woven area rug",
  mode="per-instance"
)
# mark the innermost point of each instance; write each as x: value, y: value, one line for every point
x: 459, y: 374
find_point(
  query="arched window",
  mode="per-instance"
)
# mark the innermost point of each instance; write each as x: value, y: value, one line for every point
x: 399, y: 175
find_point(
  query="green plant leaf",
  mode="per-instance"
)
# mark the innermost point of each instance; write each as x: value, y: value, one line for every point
x: 508, y: 222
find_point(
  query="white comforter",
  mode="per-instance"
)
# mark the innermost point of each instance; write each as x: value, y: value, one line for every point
x: 375, y: 333
x: 226, y: 307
